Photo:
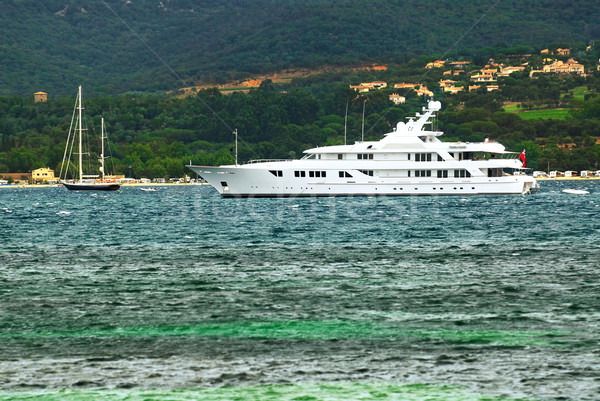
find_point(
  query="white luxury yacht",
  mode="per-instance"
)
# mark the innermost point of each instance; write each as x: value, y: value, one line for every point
x: 410, y: 160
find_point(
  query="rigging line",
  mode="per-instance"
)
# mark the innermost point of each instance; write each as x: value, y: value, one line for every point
x: 161, y: 60
x: 486, y: 12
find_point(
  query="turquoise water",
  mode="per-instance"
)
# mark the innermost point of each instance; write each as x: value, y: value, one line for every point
x: 179, y: 294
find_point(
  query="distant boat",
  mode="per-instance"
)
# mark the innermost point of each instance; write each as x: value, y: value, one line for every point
x: 576, y: 191
x: 148, y: 189
x: 83, y: 182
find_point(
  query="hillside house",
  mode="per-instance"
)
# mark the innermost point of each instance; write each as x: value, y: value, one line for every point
x: 459, y: 63
x: 397, y: 99
x: 446, y: 82
x: 559, y: 51
x: 453, y: 89
x: 422, y: 90
x: 559, y: 67
x: 435, y: 64
x: 367, y: 86
x: 506, y: 71
x: 405, y: 86
x: 39, y: 97
x: 483, y: 78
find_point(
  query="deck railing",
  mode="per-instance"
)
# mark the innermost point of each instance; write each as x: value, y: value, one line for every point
x: 266, y: 161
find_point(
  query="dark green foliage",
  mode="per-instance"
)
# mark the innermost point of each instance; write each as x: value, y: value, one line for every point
x: 52, y: 45
x: 155, y: 137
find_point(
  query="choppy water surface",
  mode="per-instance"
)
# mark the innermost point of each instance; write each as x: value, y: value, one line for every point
x: 179, y: 294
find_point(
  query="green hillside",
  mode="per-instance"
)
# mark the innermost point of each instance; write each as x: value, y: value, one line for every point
x: 54, y: 45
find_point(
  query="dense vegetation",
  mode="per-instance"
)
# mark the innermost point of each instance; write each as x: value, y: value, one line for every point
x: 155, y: 136
x: 53, y: 45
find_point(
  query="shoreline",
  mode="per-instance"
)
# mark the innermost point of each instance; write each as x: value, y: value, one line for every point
x: 154, y: 184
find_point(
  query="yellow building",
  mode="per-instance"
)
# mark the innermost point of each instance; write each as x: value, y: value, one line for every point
x: 40, y: 97
x: 397, y: 99
x: 43, y: 174
x: 559, y: 67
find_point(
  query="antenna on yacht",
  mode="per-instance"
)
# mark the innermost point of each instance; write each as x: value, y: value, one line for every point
x: 346, y: 122
x: 236, y: 146
x: 363, y: 121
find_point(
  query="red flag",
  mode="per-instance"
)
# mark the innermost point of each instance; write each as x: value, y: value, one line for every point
x: 522, y: 157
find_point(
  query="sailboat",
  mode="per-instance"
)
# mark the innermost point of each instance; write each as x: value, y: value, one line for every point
x: 83, y: 182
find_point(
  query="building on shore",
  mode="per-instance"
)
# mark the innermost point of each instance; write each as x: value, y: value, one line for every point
x: 43, y: 174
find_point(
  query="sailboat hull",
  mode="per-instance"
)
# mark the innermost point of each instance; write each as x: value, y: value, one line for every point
x: 91, y: 186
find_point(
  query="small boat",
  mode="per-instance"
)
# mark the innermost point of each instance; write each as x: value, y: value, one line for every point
x: 148, y: 189
x: 83, y: 182
x: 576, y: 191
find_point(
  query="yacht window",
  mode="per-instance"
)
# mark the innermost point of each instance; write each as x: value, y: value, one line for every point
x: 422, y: 157
x: 440, y: 158
x: 340, y: 156
x: 367, y: 172
x: 224, y: 184
x: 409, y: 159
x: 276, y: 173
x: 345, y: 174
x: 311, y: 174
x: 461, y: 174
x: 494, y: 172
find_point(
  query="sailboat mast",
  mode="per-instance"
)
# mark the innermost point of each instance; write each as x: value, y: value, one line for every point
x: 80, y: 140
x: 102, y: 154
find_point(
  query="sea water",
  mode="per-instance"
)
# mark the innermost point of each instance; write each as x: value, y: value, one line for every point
x: 179, y: 294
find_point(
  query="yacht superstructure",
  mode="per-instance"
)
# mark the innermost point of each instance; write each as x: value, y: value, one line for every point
x: 410, y: 160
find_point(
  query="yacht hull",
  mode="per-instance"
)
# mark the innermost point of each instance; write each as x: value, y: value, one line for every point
x: 232, y: 182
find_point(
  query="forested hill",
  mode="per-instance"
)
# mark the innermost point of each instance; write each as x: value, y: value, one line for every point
x: 53, y: 45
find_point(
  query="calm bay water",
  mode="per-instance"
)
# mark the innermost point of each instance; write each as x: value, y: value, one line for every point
x: 179, y: 294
